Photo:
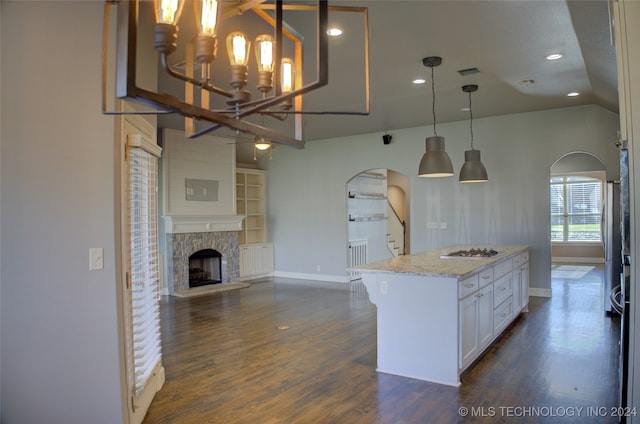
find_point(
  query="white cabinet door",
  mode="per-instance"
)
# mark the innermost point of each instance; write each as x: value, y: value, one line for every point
x: 264, y: 259
x: 485, y: 316
x: 247, y: 261
x: 469, y: 342
x: 256, y: 259
x: 524, y: 286
x: 517, y: 286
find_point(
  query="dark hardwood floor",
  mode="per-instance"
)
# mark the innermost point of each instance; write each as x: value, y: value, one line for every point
x: 293, y: 351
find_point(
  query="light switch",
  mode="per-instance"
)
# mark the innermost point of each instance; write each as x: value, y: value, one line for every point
x: 384, y: 287
x: 96, y: 258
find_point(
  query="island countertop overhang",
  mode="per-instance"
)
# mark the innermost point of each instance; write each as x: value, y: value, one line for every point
x: 431, y: 263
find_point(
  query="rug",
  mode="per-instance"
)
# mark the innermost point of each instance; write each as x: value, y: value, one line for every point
x: 573, y: 272
x: 212, y: 288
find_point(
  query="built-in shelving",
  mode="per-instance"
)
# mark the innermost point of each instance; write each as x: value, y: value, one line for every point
x: 250, y: 202
x: 367, y: 217
x: 373, y: 175
x: 361, y: 195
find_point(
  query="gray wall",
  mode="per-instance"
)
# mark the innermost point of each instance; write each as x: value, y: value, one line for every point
x: 306, y: 187
x: 60, y: 351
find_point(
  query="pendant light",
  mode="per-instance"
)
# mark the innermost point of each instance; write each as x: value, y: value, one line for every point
x: 435, y: 162
x: 473, y: 171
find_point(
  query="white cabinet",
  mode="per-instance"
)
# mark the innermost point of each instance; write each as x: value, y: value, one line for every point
x: 476, y: 324
x: 485, y: 316
x: 488, y: 302
x: 469, y: 340
x: 521, y: 282
x: 458, y: 319
x: 256, y: 255
x: 256, y: 260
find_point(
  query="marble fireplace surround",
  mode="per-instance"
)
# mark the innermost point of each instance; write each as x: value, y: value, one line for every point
x: 182, y: 241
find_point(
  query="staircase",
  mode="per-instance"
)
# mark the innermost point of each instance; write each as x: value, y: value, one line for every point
x: 396, y: 232
x: 391, y: 245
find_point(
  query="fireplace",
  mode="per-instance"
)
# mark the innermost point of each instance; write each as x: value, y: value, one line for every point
x: 205, y: 267
x: 184, y: 253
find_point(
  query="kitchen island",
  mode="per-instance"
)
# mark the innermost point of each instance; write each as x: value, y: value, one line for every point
x: 437, y: 312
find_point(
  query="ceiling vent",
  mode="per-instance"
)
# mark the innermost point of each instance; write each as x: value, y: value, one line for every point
x: 469, y: 71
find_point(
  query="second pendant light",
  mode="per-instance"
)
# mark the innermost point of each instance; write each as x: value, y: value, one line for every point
x: 473, y: 171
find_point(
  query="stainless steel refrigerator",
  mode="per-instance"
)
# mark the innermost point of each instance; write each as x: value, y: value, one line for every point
x: 626, y: 275
x: 611, y: 238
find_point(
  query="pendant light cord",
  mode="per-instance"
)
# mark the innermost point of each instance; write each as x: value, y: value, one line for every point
x: 471, y: 121
x: 433, y: 104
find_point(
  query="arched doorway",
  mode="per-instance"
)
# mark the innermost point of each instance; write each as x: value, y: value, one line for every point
x: 377, y: 216
x: 582, y: 224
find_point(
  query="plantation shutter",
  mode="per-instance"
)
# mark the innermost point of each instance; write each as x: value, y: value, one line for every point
x: 144, y: 349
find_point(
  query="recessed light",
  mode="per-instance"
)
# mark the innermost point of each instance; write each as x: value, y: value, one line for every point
x: 573, y: 94
x: 554, y: 56
x: 334, y: 32
x: 419, y: 81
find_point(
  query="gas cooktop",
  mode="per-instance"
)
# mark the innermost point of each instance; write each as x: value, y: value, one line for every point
x: 470, y: 254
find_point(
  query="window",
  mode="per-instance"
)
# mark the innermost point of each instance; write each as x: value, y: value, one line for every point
x: 576, y: 208
x: 145, y: 372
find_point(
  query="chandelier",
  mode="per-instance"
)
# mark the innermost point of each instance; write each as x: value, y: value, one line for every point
x: 280, y: 87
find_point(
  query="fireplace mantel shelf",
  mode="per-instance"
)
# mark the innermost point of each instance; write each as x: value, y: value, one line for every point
x: 202, y: 224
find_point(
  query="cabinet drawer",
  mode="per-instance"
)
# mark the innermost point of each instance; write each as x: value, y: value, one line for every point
x: 502, y: 268
x: 502, y: 316
x: 502, y: 288
x: 521, y: 259
x: 467, y: 286
x: 486, y: 277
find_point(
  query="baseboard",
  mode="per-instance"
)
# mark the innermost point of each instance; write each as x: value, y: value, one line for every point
x: 572, y: 260
x: 315, y: 277
x: 256, y: 276
x: 539, y: 292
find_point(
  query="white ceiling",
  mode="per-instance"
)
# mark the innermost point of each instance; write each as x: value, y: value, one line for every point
x: 507, y: 41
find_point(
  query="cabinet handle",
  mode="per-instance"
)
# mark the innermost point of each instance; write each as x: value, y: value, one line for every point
x: 469, y: 285
x: 485, y: 277
x: 504, y: 314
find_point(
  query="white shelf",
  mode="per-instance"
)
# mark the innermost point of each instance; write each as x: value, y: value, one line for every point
x: 359, y: 195
x: 250, y: 202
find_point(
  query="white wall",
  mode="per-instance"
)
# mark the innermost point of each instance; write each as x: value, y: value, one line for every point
x: 306, y: 187
x: 60, y: 354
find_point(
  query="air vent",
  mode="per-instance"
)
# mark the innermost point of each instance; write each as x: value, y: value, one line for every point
x: 469, y: 71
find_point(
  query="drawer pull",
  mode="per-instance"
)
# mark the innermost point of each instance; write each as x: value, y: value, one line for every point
x: 469, y: 285
x: 503, y: 288
x: 485, y: 277
x: 504, y: 314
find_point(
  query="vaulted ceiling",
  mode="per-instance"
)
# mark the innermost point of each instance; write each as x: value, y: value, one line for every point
x: 507, y: 41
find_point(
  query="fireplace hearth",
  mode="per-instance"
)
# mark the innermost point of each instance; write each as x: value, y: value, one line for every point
x: 205, y: 268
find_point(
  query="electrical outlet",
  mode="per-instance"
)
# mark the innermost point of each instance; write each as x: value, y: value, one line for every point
x: 317, y: 268
x: 443, y: 225
x: 384, y: 287
x: 96, y: 258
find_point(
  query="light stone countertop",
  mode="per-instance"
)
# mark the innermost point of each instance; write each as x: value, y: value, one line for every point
x: 430, y: 263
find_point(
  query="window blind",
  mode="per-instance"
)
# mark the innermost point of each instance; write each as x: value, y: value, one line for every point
x: 576, y: 204
x: 145, y: 348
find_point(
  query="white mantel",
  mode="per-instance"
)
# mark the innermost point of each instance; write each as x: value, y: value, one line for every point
x: 202, y: 224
